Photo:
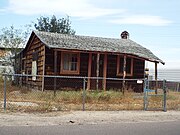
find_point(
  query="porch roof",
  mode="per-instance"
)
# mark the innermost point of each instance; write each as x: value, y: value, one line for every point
x: 96, y: 44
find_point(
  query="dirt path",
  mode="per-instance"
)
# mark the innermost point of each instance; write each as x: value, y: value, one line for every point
x: 87, y: 117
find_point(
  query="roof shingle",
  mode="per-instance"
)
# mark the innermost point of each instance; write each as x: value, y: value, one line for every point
x: 88, y: 43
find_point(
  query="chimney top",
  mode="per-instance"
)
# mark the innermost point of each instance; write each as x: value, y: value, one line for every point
x: 124, y: 35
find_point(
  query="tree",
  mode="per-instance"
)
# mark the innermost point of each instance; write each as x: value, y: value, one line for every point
x: 55, y: 25
x: 13, y: 40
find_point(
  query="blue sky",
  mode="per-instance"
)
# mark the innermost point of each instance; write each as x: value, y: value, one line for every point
x: 155, y: 24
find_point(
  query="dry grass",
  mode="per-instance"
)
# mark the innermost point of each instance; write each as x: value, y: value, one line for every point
x: 72, y: 100
x: 173, y: 100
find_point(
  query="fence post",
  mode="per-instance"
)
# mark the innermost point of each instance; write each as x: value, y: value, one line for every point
x: 145, y: 94
x: 5, y: 79
x: 164, y: 97
x: 55, y: 87
x: 84, y: 93
x: 177, y: 89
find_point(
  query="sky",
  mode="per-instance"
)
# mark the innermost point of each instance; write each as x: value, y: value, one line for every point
x: 155, y: 24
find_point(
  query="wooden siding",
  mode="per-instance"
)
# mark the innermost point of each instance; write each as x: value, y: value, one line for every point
x: 26, y: 62
x: 138, y: 69
x: 49, y: 64
x: 138, y: 73
x: 65, y: 83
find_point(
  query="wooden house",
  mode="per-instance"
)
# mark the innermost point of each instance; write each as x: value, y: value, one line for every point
x: 83, y: 56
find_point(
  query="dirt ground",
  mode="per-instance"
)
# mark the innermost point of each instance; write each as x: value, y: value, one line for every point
x: 86, y: 117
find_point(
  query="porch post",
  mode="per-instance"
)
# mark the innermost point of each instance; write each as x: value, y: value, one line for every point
x: 156, y: 86
x: 124, y: 74
x: 55, y: 70
x: 44, y: 61
x: 97, y: 72
x: 104, y: 71
x: 89, y: 71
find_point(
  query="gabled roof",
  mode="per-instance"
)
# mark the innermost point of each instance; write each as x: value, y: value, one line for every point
x: 99, y: 44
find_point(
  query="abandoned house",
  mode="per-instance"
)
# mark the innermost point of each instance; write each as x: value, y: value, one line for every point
x: 56, y: 54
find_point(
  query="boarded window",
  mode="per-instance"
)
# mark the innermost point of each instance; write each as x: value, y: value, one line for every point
x: 35, y: 56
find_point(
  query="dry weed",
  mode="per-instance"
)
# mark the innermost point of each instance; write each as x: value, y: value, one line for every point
x: 72, y: 100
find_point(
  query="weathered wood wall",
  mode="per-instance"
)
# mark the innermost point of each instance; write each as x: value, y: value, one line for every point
x: 138, y: 73
x: 46, y: 66
x: 26, y: 62
x: 65, y: 83
x: 69, y: 83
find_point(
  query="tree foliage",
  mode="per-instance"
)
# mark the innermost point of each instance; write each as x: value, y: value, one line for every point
x: 13, y: 40
x: 55, y: 25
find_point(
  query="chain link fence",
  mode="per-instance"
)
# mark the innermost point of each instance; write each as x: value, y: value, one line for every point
x: 27, y: 93
x: 172, y: 77
x: 170, y: 85
x: 155, y: 95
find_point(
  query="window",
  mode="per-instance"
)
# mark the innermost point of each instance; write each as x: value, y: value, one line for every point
x: 129, y: 66
x: 70, y: 63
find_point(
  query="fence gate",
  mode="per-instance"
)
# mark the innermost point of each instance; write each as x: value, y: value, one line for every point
x: 153, y: 101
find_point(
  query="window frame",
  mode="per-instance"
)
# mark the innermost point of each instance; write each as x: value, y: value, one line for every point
x: 118, y: 66
x: 74, y: 72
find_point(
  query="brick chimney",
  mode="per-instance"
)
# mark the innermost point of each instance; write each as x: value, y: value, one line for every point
x: 124, y: 35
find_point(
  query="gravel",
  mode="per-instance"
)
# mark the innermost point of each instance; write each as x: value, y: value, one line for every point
x: 87, y: 117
